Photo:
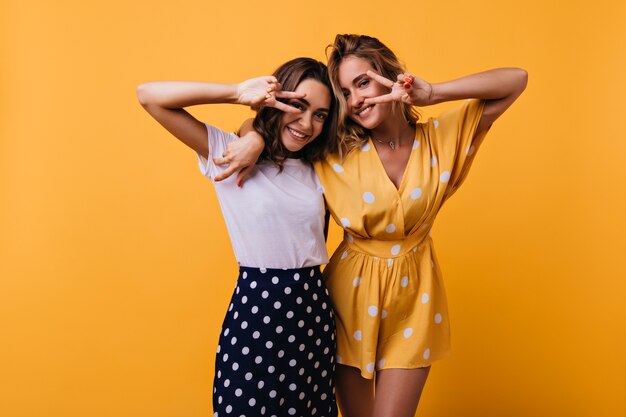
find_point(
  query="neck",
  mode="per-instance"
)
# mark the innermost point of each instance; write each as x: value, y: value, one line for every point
x: 392, y: 129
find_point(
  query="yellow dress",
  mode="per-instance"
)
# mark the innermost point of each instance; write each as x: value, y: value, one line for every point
x: 384, y: 279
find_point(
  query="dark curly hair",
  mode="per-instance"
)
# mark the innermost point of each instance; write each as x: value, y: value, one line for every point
x: 267, y: 120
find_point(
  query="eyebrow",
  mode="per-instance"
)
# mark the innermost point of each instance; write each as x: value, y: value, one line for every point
x: 358, y: 78
x: 309, y: 105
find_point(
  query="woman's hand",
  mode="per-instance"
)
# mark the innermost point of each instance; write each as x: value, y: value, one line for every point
x: 406, y: 89
x: 240, y: 155
x: 263, y: 91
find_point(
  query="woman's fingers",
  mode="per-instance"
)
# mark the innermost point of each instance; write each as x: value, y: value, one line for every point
x: 226, y: 173
x: 289, y: 94
x: 379, y: 78
x: 220, y: 160
x: 241, y: 156
x: 380, y: 99
x: 226, y: 159
x: 243, y: 175
x: 272, y: 102
x: 272, y: 92
x: 408, y: 81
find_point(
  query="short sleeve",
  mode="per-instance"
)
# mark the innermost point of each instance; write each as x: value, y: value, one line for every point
x: 453, y: 143
x: 218, y: 142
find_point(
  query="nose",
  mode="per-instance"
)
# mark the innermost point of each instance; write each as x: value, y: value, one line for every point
x: 355, y: 100
x: 306, y: 120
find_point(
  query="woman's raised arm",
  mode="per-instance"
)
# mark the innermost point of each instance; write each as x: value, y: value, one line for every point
x: 166, y: 100
x: 498, y: 87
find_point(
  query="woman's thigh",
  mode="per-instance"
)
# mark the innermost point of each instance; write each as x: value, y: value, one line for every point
x: 398, y: 391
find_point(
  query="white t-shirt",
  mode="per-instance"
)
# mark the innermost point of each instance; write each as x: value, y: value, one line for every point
x: 276, y: 220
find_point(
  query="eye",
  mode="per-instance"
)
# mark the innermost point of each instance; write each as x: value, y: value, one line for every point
x: 346, y: 93
x: 364, y: 83
x: 297, y: 105
x: 321, y: 116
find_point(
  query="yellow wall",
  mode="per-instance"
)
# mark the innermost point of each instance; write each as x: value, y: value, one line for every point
x: 114, y: 262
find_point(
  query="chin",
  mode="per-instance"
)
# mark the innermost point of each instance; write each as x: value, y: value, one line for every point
x: 367, y: 124
x: 292, y: 146
x: 294, y: 149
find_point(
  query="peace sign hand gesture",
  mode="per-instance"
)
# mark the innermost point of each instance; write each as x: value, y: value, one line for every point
x: 263, y: 91
x: 406, y: 89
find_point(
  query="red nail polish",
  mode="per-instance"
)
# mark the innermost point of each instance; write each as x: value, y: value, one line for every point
x: 239, y: 183
x: 216, y: 179
x: 407, y: 85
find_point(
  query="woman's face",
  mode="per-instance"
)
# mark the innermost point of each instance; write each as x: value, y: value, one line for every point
x: 299, y: 129
x: 356, y: 86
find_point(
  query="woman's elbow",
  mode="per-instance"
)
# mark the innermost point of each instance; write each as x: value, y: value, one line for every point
x: 521, y: 79
x: 144, y: 94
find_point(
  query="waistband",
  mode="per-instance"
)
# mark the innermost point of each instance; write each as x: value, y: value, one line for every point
x: 307, y: 271
x: 388, y: 248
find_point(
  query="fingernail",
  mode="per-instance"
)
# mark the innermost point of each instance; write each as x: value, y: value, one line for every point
x: 216, y: 179
x: 239, y: 183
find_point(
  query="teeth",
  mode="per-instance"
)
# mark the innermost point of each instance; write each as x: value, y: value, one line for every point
x: 295, y: 133
x: 365, y: 110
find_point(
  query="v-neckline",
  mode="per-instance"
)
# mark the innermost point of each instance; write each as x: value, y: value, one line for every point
x: 382, y: 166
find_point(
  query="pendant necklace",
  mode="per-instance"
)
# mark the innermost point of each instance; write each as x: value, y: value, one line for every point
x: 391, y: 143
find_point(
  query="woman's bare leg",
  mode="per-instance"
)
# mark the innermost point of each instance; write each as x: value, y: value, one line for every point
x: 355, y: 394
x: 398, y: 392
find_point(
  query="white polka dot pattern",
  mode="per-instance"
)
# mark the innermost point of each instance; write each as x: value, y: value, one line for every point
x: 258, y: 369
x: 390, y: 263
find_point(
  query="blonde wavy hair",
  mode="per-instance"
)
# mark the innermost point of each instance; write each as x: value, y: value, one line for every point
x: 384, y: 62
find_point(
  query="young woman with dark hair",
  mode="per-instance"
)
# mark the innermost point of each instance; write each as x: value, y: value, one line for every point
x: 276, y: 349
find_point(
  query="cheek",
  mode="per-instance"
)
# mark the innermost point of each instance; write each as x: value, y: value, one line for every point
x: 319, y: 126
x: 286, y: 119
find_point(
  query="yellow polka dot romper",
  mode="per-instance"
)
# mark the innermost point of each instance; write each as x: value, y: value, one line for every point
x: 384, y: 279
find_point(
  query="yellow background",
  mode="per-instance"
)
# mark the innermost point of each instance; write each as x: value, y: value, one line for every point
x: 115, y: 264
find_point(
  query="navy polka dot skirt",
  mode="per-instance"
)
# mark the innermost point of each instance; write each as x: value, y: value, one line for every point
x: 277, y: 347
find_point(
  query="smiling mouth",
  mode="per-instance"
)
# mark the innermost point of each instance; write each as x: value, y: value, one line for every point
x: 297, y: 134
x: 365, y: 111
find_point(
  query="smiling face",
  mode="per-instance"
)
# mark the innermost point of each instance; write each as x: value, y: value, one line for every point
x: 297, y: 130
x: 356, y: 86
